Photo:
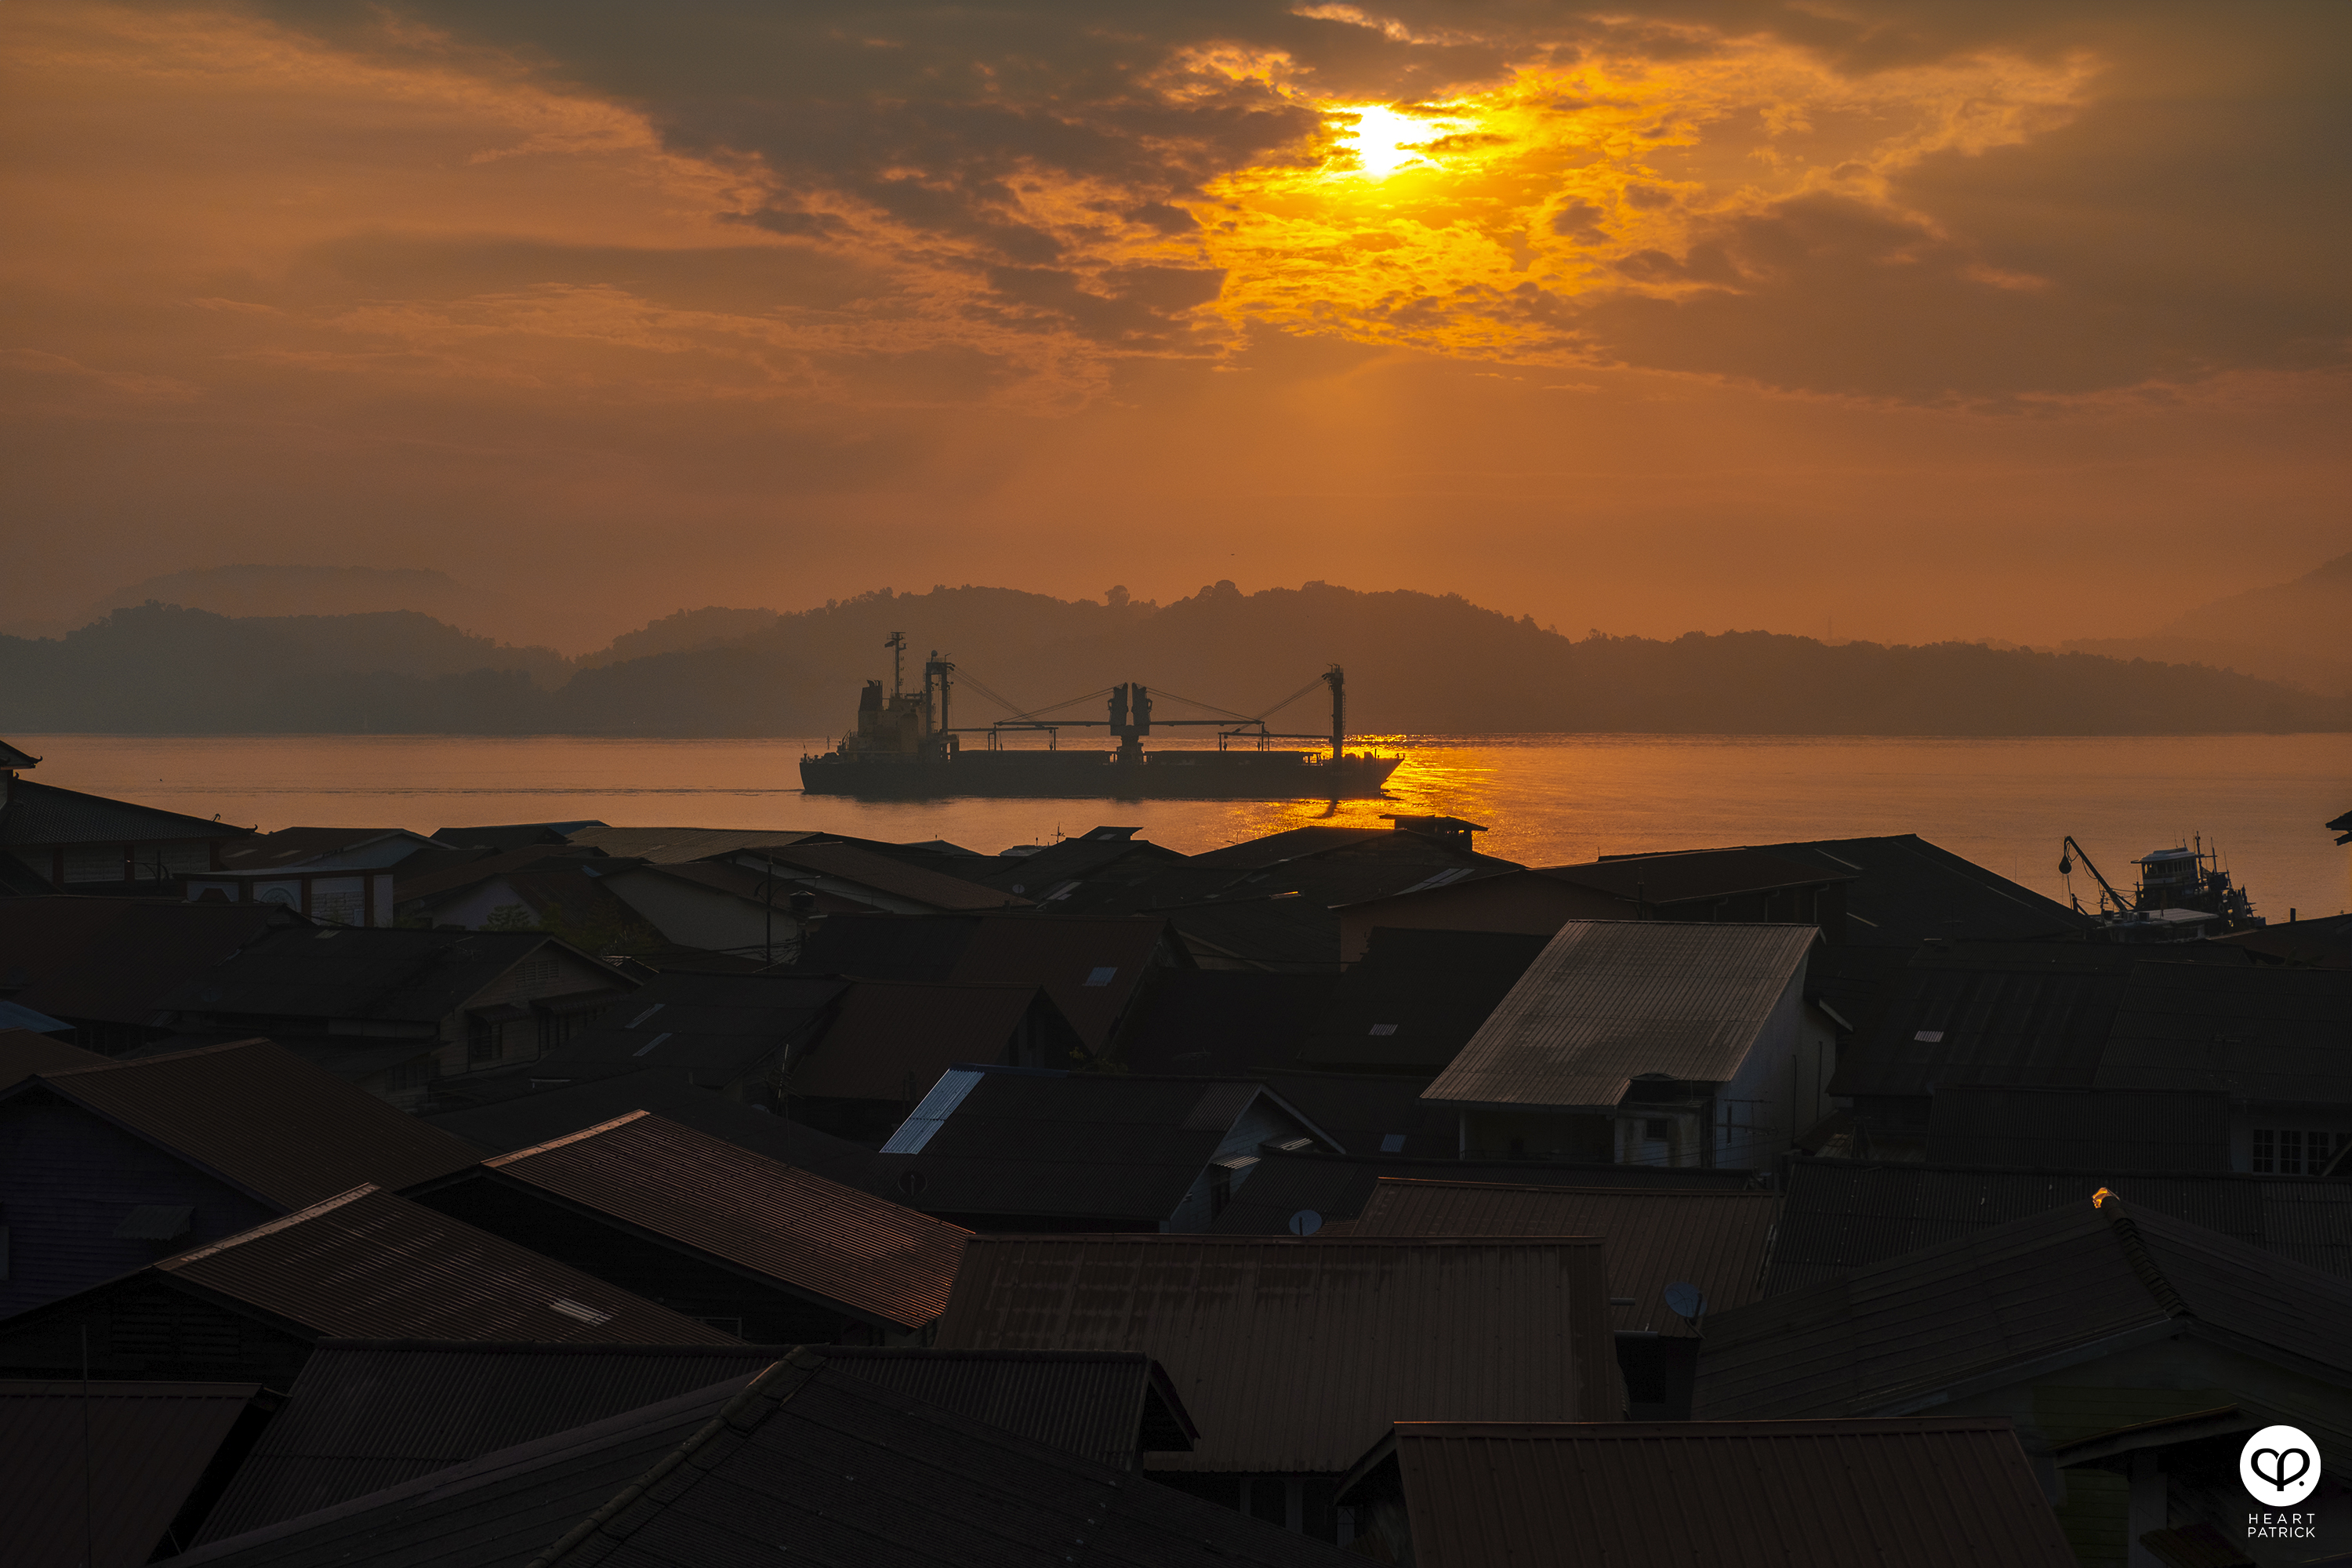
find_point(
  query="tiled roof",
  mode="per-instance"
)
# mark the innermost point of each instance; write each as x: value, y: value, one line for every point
x: 1611, y: 999
x: 1294, y: 1355
x: 1953, y: 1492
x: 1838, y: 1217
x: 1655, y: 1238
x: 842, y: 1471
x: 147, y: 1445
x: 368, y: 1265
x: 264, y: 1121
x: 869, y: 1254
x: 39, y: 813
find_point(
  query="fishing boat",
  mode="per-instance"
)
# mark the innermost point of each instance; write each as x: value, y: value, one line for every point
x: 2185, y: 893
x: 905, y: 748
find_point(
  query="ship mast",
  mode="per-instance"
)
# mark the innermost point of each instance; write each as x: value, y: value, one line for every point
x: 1338, y: 679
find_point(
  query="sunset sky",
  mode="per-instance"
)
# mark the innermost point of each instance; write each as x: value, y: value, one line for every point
x: 1953, y: 318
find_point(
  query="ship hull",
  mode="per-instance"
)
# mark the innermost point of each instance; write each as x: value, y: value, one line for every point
x: 1098, y: 776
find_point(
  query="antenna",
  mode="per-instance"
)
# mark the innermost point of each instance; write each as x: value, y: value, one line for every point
x: 897, y: 646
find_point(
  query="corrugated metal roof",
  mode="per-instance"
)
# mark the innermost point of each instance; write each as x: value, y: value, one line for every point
x: 2113, y: 1130
x: 845, y: 1472
x: 24, y: 1053
x: 864, y: 869
x: 115, y: 960
x: 1102, y: 1146
x: 1891, y: 1336
x: 874, y: 1256
x: 444, y: 876
x: 1373, y: 1113
x: 1683, y: 875
x: 1294, y: 1355
x: 1714, y: 1240
x: 368, y: 1265
x: 1104, y: 1406
x: 1991, y: 1013
x: 1227, y: 1022
x: 1337, y: 1186
x: 364, y: 1415
x: 1090, y: 968
x: 890, y: 1039
x: 38, y: 813
x: 2258, y: 1032
x: 670, y: 846
x: 1415, y: 998
x: 718, y: 1027
x: 1907, y: 891
x: 264, y: 1121
x: 1948, y: 1493
x: 1606, y: 1000
x: 1839, y: 1216
x: 299, y: 846
x: 149, y: 1444
x: 384, y: 973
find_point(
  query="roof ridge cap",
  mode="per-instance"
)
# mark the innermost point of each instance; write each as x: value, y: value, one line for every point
x: 269, y: 1227
x: 2144, y: 1264
x: 494, y: 1161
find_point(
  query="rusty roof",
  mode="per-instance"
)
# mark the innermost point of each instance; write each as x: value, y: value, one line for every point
x: 1606, y: 1000
x: 264, y: 1121
x: 849, y: 1472
x: 2013, y: 1301
x: 890, y: 1039
x: 1953, y: 1492
x: 1295, y: 1355
x: 1656, y: 1238
x: 874, y: 1256
x: 116, y: 959
x: 368, y: 1265
x: 148, y: 1445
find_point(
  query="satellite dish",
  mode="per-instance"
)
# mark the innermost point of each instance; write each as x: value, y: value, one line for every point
x: 912, y: 1184
x: 1306, y: 1222
x: 1686, y: 1299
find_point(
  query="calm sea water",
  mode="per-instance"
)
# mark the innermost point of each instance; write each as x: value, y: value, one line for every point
x: 1545, y: 799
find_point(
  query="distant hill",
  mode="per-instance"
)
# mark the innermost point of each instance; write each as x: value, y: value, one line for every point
x: 2298, y: 632
x: 684, y: 631
x: 259, y: 590
x: 1415, y: 662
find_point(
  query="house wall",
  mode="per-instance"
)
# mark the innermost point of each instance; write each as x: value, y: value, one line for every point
x: 1771, y: 1099
x: 699, y: 917
x: 144, y: 1328
x: 1262, y: 1122
x: 1536, y: 1135
x: 68, y: 1178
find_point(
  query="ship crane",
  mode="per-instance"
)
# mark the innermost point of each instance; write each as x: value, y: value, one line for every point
x: 1130, y: 716
x: 2066, y: 854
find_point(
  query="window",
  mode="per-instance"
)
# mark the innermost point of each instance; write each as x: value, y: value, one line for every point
x: 2296, y: 1151
x: 1657, y: 1129
x: 1103, y: 976
x: 1392, y: 1143
x: 485, y: 1041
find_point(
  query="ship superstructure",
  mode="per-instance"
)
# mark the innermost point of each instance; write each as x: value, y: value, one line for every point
x: 2184, y: 893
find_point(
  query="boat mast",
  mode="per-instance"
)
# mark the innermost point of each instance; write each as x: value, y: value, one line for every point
x: 1338, y: 679
x: 897, y: 646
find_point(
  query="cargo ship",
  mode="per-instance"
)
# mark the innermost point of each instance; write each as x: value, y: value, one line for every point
x: 904, y: 748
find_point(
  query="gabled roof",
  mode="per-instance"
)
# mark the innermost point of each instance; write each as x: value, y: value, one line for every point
x: 1337, y: 1186
x: 1228, y: 1023
x: 1839, y: 1216
x: 39, y: 813
x: 387, y: 974
x: 13, y: 757
x: 876, y: 1257
x: 1953, y: 1492
x: 115, y: 960
x: 555, y: 1109
x: 1907, y: 891
x: 1415, y: 998
x: 1717, y: 1241
x: 512, y: 834
x: 1608, y: 1000
x: 1295, y: 1355
x: 842, y: 1470
x: 1372, y: 1113
x: 364, y: 1415
x: 890, y: 1039
x: 2019, y: 1300
x: 368, y: 1265
x: 1090, y: 968
x: 292, y: 846
x: 1108, y: 1406
x: 260, y: 1119
x: 1684, y: 876
x: 147, y: 1446
x: 1322, y: 842
x: 1108, y: 1146
x: 716, y: 1027
x: 2085, y: 1128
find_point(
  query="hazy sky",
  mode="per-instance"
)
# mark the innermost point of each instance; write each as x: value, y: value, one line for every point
x: 1949, y: 317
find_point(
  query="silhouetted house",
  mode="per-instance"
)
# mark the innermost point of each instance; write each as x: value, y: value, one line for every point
x: 1655, y: 1238
x: 757, y: 1248
x: 1746, y: 886
x: 62, y: 840
x: 2071, y: 1324
x: 502, y: 836
x: 723, y: 1032
x: 1411, y: 999
x: 1295, y: 1355
x: 1299, y: 1191
x: 1098, y: 857
x: 2342, y: 827
x: 1904, y: 891
x: 1226, y: 1023
x: 117, y: 1472
x: 1839, y: 1216
x: 1095, y: 970
x: 505, y: 890
x: 107, y: 1165
x: 340, y: 876
x: 368, y: 1414
x: 107, y: 966
x: 397, y: 1011
x: 1928, y: 1493
x: 538, y: 1116
x: 884, y: 1043
x: 806, y: 1461
x: 1650, y: 1042
x: 2068, y: 1129
x: 2098, y: 1017
x: 361, y: 1264
x: 1026, y: 1150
